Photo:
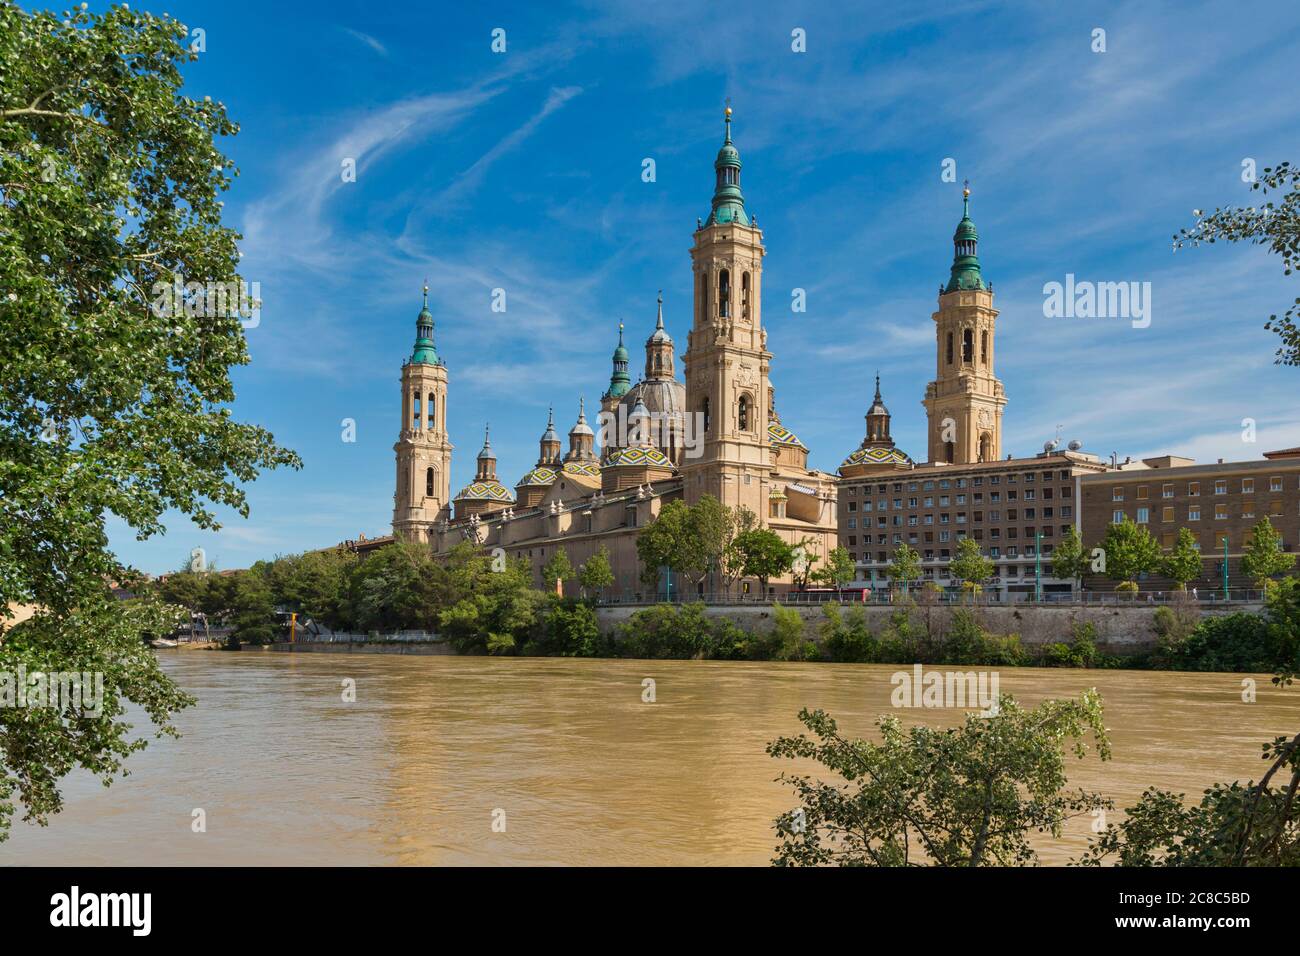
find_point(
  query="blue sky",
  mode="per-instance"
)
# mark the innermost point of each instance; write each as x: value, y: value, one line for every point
x: 522, y: 171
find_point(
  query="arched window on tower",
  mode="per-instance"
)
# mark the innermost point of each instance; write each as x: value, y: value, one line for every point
x: 949, y: 452
x: 724, y: 294
x: 742, y: 414
x: 428, y: 482
x: 704, y: 298
x: 984, y: 348
x: 744, y: 297
x: 967, y: 346
x: 986, y: 447
x: 431, y: 407
x: 949, y: 348
x: 415, y: 412
x: 704, y: 411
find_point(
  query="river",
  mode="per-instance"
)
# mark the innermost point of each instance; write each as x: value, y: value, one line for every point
x: 563, y: 755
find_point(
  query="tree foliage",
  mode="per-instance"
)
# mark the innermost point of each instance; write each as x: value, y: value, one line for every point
x: 965, y: 796
x: 1130, y: 552
x: 1183, y: 562
x: 905, y: 566
x: 109, y: 184
x: 1263, y: 558
x: 1272, y: 224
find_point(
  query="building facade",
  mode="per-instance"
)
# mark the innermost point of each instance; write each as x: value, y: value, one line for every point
x: 1219, y: 503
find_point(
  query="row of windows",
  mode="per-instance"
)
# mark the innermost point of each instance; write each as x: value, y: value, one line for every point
x: 1248, y: 510
x: 944, y: 484
x: 1246, y: 486
x: 928, y: 537
x: 977, y: 517
x: 994, y: 497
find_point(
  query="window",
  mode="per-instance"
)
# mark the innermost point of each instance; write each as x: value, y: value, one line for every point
x: 742, y: 414
x: 1117, y: 494
x: 1117, y: 517
x: 724, y: 293
x: 1144, y: 515
x: 1220, y: 512
x: 432, y: 407
x: 428, y: 482
x: 1142, y: 492
x: 1248, y: 486
x: 705, y: 411
x: 1275, y: 483
x: 853, y: 506
x: 853, y: 522
x: 1167, y: 490
x: 1167, y: 514
x: 968, y: 346
x: 984, y: 347
x: 949, y: 348
x: 1194, y: 513
x: 1221, y: 487
x: 1193, y: 488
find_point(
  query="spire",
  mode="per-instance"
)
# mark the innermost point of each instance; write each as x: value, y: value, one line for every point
x: 965, y: 274
x: 620, y: 381
x: 659, y: 348
x: 550, y: 443
x: 728, y: 201
x: 878, y: 422
x: 487, y: 459
x: 424, y: 352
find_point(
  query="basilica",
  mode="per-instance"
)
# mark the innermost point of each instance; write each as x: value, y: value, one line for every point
x: 713, y: 431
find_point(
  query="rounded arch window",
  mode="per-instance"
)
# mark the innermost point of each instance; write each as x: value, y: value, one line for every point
x: 742, y: 413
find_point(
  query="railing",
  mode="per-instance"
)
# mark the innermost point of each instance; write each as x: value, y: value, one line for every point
x: 885, y: 596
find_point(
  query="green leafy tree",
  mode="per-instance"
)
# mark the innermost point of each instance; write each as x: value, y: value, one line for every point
x: 1272, y: 224
x: 1183, y: 562
x: 838, y: 570
x: 110, y: 405
x: 596, y: 574
x: 1069, y: 561
x: 969, y: 566
x: 905, y: 567
x: 396, y: 588
x: 557, y: 568
x: 1263, y: 558
x: 731, y: 564
x: 252, y: 608
x: 1130, y: 552
x: 767, y: 555
x: 803, y: 563
x: 662, y: 543
x: 964, y: 796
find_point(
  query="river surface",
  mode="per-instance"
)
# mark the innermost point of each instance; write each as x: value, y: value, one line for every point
x: 565, y: 754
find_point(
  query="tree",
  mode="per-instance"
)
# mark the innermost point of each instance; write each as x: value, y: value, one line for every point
x: 711, y: 524
x: 1276, y: 225
x: 1183, y: 562
x: 766, y: 555
x: 1130, y: 551
x: 905, y: 566
x: 965, y: 796
x: 596, y: 574
x: 969, y: 566
x: 396, y: 589
x: 661, y: 543
x: 731, y: 564
x: 1069, y: 562
x: 803, y: 557
x: 110, y: 403
x: 557, y: 568
x: 1264, y: 558
x: 838, y: 571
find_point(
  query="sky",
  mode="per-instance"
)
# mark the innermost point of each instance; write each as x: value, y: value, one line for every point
x: 522, y: 170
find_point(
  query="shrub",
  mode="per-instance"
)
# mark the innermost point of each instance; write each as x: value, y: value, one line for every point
x: 846, y: 637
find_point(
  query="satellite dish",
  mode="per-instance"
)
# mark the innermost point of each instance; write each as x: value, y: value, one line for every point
x: 1075, y: 445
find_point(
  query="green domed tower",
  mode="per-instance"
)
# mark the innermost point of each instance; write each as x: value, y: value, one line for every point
x: 423, y: 493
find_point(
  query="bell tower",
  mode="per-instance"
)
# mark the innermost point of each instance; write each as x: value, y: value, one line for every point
x: 964, y: 402
x: 726, y: 358
x: 423, y: 452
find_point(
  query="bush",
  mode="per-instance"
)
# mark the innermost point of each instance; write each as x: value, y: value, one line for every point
x: 1080, y: 652
x: 569, y: 630
x: 1232, y: 642
x: 667, y: 632
x: 846, y: 637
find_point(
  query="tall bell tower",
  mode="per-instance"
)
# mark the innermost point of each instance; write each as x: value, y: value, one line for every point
x: 423, y: 493
x: 964, y: 402
x: 726, y: 358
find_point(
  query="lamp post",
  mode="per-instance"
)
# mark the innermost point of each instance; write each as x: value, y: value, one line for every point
x: 1038, y: 567
x: 1225, y: 567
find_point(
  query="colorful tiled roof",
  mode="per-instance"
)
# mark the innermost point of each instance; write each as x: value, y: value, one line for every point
x: 538, y: 477
x: 484, y: 491
x: 651, y: 457
x: 589, y: 468
x: 877, y: 456
x: 778, y: 434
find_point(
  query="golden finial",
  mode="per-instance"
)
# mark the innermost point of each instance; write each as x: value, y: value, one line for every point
x: 966, y: 189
